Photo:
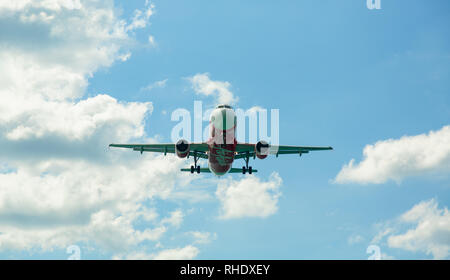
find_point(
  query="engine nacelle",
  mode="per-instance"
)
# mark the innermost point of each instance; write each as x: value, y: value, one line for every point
x: 182, y: 148
x: 262, y: 149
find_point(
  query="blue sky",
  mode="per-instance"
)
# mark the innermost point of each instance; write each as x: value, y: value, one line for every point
x: 340, y: 75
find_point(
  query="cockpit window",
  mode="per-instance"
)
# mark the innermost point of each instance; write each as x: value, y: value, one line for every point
x: 224, y: 106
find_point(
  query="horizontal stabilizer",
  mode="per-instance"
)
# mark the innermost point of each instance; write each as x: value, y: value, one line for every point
x: 239, y: 170
x: 206, y: 170
x: 202, y: 170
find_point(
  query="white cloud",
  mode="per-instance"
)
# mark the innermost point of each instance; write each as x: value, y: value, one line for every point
x: 125, y: 57
x: 355, y: 239
x: 157, y: 84
x: 133, y: 256
x: 186, y: 253
x: 255, y: 109
x: 79, y: 38
x: 59, y: 184
x: 385, y: 256
x: 60, y: 202
x: 249, y: 197
x: 48, y: 5
x: 202, y: 237
x: 395, y: 159
x: 175, y: 219
x: 151, y: 41
x: 76, y: 121
x: 424, y: 228
x: 45, y: 75
x: 203, y: 85
x: 141, y: 18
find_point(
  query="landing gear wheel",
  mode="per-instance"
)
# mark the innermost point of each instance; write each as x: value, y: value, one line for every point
x: 195, y: 167
x: 246, y: 167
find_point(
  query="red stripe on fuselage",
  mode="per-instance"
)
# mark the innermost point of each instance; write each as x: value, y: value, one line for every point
x: 221, y: 155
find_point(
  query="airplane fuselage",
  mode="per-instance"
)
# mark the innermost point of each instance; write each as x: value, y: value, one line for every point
x: 222, y: 142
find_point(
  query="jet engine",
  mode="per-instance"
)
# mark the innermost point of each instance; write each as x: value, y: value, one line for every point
x: 182, y: 148
x: 262, y: 149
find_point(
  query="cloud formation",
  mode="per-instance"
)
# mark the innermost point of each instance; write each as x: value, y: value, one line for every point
x: 424, y: 228
x: 203, y: 85
x: 45, y: 76
x: 60, y: 202
x: 59, y: 185
x: 396, y: 159
x: 202, y: 237
x: 185, y: 253
x: 157, y: 84
x: 249, y: 197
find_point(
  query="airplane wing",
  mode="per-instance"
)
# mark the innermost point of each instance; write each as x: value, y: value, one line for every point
x: 199, y: 149
x: 245, y: 149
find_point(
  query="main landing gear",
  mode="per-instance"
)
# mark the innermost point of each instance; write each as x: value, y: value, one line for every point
x: 195, y: 167
x: 246, y: 167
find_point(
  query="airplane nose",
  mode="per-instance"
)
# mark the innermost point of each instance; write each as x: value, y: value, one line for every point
x: 223, y: 118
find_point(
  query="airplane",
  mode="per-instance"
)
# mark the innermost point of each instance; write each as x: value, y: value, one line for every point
x: 222, y: 148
